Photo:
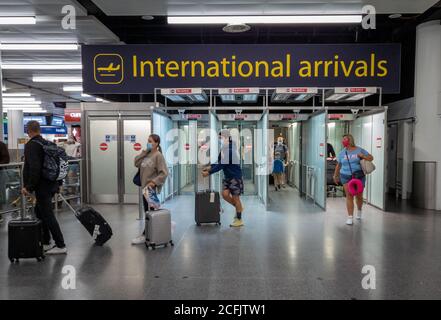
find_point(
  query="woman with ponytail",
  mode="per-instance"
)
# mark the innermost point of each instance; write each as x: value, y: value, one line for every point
x: 153, y: 171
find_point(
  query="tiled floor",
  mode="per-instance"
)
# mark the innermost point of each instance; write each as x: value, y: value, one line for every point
x: 294, y: 251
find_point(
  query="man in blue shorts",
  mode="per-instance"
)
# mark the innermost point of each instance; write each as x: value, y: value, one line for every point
x: 229, y: 162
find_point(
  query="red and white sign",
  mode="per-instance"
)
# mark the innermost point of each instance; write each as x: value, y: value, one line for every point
x: 193, y: 116
x: 302, y: 90
x: 379, y: 143
x: 288, y: 116
x: 137, y: 146
x: 104, y: 146
x: 240, y: 116
x: 355, y: 90
x: 335, y: 116
x: 182, y: 91
x: 239, y: 91
x: 72, y: 116
x: 204, y: 147
x: 187, y: 146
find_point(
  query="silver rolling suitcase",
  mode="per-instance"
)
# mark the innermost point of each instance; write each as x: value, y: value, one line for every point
x: 158, y: 228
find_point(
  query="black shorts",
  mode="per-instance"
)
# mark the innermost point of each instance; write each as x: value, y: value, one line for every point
x: 234, y: 185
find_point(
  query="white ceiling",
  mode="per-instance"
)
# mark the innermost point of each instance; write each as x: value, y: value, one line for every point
x: 47, y: 30
x: 256, y: 7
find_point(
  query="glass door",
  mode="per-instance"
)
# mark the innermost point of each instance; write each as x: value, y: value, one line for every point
x: 243, y: 135
x: 113, y: 145
x: 135, y: 137
x: 104, y: 164
x: 263, y: 162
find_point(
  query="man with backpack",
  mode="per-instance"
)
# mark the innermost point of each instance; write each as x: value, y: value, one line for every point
x: 38, y: 177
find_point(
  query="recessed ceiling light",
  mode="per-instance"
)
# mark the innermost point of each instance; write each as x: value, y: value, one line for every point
x: 395, y: 16
x: 236, y: 28
x: 148, y: 18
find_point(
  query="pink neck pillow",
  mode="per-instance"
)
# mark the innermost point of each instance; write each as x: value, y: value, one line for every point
x: 355, y: 187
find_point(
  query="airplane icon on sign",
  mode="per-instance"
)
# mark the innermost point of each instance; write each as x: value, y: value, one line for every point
x: 107, y: 71
x: 108, y: 68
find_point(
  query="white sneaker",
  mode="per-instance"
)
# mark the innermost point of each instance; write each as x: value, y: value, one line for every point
x: 139, y: 240
x: 359, y: 214
x: 56, y: 250
x: 47, y: 247
x: 350, y: 221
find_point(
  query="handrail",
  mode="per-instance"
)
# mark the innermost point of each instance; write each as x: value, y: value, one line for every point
x: 12, y: 165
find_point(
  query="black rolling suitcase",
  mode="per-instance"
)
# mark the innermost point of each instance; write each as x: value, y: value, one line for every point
x: 207, y: 207
x: 93, y: 221
x: 25, y: 237
x: 25, y: 240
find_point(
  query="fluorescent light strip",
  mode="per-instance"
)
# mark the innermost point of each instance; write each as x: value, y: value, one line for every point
x: 359, y: 96
x: 39, y: 46
x: 56, y: 79
x: 73, y: 88
x: 336, y: 97
x: 22, y: 100
x: 301, y: 19
x: 28, y: 110
x: 34, y: 103
x: 16, y: 94
x: 18, y: 20
x: 19, y: 107
x: 16, y: 66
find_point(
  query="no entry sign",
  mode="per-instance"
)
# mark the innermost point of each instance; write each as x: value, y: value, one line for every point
x: 137, y: 146
x: 187, y: 146
x: 103, y: 146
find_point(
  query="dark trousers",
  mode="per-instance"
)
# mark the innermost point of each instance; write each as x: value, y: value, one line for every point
x: 44, y: 211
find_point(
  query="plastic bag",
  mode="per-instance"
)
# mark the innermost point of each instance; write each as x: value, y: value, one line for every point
x: 152, y: 198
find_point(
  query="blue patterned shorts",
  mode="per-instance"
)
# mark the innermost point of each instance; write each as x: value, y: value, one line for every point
x: 235, y: 186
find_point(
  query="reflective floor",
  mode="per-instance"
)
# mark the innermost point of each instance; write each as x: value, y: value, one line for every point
x: 294, y: 251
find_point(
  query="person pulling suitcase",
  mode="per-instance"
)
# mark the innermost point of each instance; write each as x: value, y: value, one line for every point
x: 229, y: 163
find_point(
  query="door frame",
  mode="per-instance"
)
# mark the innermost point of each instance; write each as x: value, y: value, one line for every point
x: 114, y: 111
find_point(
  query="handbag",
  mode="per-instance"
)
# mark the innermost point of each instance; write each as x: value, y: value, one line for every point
x: 367, y: 166
x: 137, y: 178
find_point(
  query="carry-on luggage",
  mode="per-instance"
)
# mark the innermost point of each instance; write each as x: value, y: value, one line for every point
x: 93, y: 221
x: 158, y: 228
x: 207, y: 207
x: 25, y: 240
x: 25, y: 237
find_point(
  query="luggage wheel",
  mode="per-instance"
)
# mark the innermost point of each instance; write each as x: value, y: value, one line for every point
x: 219, y: 224
x: 198, y: 224
x: 153, y: 247
x: 171, y: 243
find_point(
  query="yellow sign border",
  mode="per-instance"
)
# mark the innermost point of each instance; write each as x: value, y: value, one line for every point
x: 108, y: 54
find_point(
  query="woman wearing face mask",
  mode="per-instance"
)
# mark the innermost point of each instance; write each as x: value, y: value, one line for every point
x: 349, y: 166
x: 153, y: 171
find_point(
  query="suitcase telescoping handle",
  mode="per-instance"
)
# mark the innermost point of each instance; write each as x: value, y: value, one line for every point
x: 68, y: 204
x: 205, y: 179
